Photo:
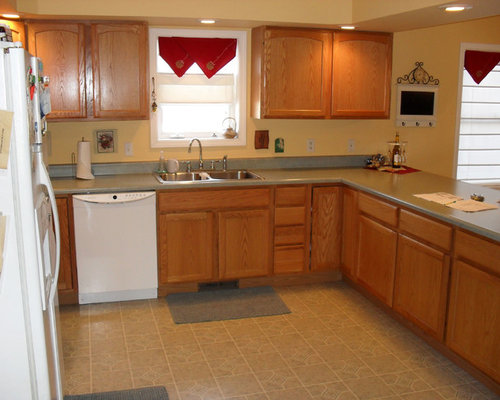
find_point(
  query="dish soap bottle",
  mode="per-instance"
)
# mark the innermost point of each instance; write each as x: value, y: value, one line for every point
x: 396, y: 153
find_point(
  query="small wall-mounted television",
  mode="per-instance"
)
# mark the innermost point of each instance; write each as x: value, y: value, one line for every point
x: 416, y: 105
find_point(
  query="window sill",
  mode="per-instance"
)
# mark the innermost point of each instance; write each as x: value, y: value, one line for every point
x: 206, y: 142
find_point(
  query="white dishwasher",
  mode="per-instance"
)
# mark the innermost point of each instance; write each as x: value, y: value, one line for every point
x: 115, y: 240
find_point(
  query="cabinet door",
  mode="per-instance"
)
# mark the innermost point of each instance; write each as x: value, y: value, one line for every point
x: 17, y: 29
x: 350, y: 223
x: 473, y: 322
x: 244, y: 243
x: 295, y: 78
x: 62, y: 51
x: 362, y: 67
x: 186, y: 247
x: 119, y: 64
x: 421, y: 284
x: 376, y: 258
x: 67, y: 281
x: 326, y: 228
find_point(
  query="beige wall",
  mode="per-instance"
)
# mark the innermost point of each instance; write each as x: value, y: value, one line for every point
x: 430, y: 149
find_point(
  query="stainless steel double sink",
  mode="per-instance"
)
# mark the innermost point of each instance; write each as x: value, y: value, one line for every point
x: 206, y: 176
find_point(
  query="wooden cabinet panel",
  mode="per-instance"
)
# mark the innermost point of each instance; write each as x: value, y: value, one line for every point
x: 291, y: 72
x: 186, y: 247
x: 17, y: 29
x: 378, y: 209
x: 326, y: 228
x: 61, y: 46
x: 290, y: 216
x: 480, y: 251
x: 67, y: 283
x: 244, y: 243
x: 473, y: 323
x: 291, y: 196
x: 424, y: 228
x: 350, y: 223
x: 362, y: 67
x: 421, y: 285
x: 119, y: 64
x: 376, y: 258
x: 285, y: 235
x: 289, y: 259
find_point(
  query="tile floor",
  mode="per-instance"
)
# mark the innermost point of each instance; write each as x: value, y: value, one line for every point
x: 334, y: 345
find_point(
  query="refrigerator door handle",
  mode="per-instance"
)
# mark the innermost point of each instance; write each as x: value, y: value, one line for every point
x: 45, y: 180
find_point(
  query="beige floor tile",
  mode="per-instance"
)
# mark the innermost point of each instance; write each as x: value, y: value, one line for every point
x: 427, y: 395
x: 306, y: 324
x: 370, y: 388
x: 191, y: 371
x: 239, y: 385
x: 315, y: 374
x: 338, y: 351
x: 243, y: 328
x: 147, y: 358
x: 76, y: 348
x: 331, y: 391
x: 254, y: 345
x: 106, y: 329
x: 211, y: 334
x: 463, y: 392
x: 109, y: 362
x: 266, y: 361
x: 405, y: 382
x: 152, y: 376
x: 146, y: 341
x: 384, y: 364
x: 290, y: 394
x: 235, y: 365
x: 109, y: 381
x: 204, y: 389
x: 184, y: 353
x: 300, y: 356
x: 351, y: 368
x: 277, y: 379
x: 275, y: 326
x: 76, y: 331
x: 74, y: 386
x: 438, y: 376
x: 77, y: 366
x: 219, y: 350
x: 139, y: 328
x: 288, y: 341
x: 367, y: 347
x: 178, y: 337
x: 108, y: 346
x: 320, y: 338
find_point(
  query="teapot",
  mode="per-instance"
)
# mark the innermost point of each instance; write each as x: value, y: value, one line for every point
x: 230, y: 131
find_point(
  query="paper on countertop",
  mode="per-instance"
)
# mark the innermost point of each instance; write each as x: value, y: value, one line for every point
x: 439, y: 197
x: 471, y: 206
x: 5, y: 131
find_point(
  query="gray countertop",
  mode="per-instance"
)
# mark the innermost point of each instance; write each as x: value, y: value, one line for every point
x: 395, y: 187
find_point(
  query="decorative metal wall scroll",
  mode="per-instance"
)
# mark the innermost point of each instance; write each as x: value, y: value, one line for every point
x: 418, y: 76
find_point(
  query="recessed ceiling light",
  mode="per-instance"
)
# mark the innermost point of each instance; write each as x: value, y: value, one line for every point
x: 11, y: 16
x: 207, y: 21
x: 348, y: 27
x: 455, y: 7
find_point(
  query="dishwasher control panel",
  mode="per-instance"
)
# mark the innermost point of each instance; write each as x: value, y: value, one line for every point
x: 118, y: 197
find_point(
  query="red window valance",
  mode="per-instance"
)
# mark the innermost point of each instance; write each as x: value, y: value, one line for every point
x: 480, y: 63
x: 211, y: 54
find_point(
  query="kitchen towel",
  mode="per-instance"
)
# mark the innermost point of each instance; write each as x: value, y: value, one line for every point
x: 83, y: 165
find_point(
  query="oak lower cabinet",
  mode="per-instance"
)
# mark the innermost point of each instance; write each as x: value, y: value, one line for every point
x: 326, y: 230
x: 291, y: 72
x: 350, y: 229
x: 362, y: 67
x: 96, y: 70
x: 67, y: 283
x: 473, y: 324
x: 212, y: 235
x: 292, y: 229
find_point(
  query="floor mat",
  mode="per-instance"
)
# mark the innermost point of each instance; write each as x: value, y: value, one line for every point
x: 150, y: 393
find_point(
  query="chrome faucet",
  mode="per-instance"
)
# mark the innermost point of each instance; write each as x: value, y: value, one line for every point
x: 201, y: 150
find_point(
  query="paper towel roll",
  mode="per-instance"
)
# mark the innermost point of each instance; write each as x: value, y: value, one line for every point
x: 83, y: 170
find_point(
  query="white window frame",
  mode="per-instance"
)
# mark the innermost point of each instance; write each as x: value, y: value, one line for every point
x: 241, y: 96
x: 463, y: 48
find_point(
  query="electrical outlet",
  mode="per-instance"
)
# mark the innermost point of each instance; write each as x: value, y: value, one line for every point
x: 310, y: 145
x: 129, y: 150
x: 350, y: 145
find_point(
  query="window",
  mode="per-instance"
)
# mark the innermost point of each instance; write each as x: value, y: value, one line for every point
x: 478, y: 149
x: 194, y: 105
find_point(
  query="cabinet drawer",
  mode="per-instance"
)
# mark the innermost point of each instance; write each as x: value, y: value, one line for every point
x: 290, y: 216
x: 290, y: 235
x: 378, y: 209
x: 477, y: 250
x: 214, y: 199
x: 289, y: 259
x: 426, y: 229
x: 291, y: 196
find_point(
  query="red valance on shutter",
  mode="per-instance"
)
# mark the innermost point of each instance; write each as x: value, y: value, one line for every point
x: 480, y: 63
x: 211, y: 54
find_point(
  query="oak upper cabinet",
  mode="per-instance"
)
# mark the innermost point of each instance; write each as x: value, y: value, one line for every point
x: 61, y: 47
x: 362, y: 67
x: 473, y: 323
x: 292, y: 228
x: 377, y: 243
x: 17, y: 30
x: 291, y: 72
x: 422, y: 271
x: 67, y: 283
x: 350, y: 222
x: 211, y: 235
x: 119, y: 65
x: 326, y: 239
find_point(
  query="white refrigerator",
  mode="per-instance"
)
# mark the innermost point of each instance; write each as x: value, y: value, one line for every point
x: 30, y: 353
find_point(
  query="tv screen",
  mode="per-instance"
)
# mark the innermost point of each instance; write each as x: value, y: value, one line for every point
x: 417, y: 103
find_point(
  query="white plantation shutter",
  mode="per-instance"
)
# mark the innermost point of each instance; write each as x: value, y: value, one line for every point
x: 479, y: 141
